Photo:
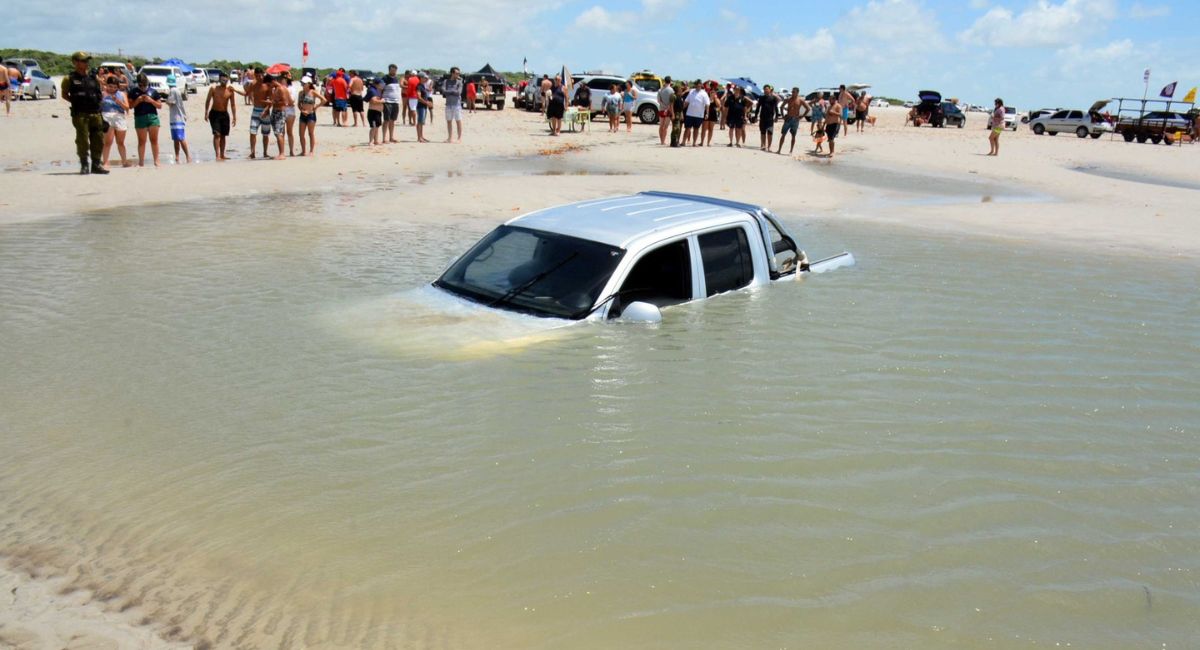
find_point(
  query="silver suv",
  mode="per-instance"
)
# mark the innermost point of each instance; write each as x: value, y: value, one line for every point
x: 645, y: 106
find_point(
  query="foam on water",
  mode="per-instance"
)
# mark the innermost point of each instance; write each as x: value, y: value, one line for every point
x: 954, y: 443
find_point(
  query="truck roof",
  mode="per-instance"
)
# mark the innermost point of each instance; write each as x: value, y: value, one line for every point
x: 620, y: 220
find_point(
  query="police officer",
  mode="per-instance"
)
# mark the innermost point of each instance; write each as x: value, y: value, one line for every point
x: 82, y: 89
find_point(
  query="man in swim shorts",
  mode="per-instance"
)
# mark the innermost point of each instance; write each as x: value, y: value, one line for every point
x: 259, y: 92
x: 833, y: 123
x: 768, y: 110
x: 219, y: 107
x: 791, y: 118
x: 4, y: 84
x: 666, y: 97
x: 846, y: 99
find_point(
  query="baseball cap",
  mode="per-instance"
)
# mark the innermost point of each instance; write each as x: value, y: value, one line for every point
x: 170, y: 80
x: 422, y: 75
x: 81, y: 56
x: 306, y: 79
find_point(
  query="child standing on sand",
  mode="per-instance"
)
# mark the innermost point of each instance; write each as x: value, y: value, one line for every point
x: 177, y: 118
x: 375, y: 111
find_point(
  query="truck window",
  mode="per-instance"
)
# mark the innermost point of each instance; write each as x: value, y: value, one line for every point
x: 661, y: 277
x: 727, y: 261
x: 1075, y: 115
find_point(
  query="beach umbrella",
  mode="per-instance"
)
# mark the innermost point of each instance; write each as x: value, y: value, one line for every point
x: 747, y: 84
x: 178, y: 63
x: 278, y: 68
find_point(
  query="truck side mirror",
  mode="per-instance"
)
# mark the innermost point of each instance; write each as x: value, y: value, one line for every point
x: 641, y: 312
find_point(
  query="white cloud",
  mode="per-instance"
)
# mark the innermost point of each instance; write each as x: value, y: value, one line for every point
x: 601, y: 19
x: 884, y: 34
x: 1141, y: 11
x: 662, y: 8
x: 734, y: 20
x: 1076, y: 57
x: 1043, y: 24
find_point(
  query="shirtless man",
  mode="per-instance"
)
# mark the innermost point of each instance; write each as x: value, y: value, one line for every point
x: 547, y: 85
x: 5, y: 83
x: 861, y: 108
x: 259, y: 94
x: 219, y: 107
x: 357, y: 90
x: 791, y: 118
x: 833, y: 122
x: 846, y: 99
x: 281, y: 101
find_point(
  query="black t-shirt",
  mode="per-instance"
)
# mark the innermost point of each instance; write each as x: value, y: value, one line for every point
x: 768, y: 108
x: 736, y: 107
x: 583, y: 96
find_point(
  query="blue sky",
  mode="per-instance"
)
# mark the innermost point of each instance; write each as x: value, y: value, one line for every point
x: 1031, y: 53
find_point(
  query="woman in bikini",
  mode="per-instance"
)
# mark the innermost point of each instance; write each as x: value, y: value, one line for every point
x: 309, y: 101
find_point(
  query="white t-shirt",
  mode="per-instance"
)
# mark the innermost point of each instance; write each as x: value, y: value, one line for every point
x: 696, y: 103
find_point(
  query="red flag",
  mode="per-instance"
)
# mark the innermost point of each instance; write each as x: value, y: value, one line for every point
x: 306, y: 51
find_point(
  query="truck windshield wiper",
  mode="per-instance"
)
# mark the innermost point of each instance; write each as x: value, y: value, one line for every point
x: 528, y: 284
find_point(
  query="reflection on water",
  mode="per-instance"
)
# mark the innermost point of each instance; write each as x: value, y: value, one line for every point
x: 223, y: 423
x: 1135, y: 177
x: 907, y: 188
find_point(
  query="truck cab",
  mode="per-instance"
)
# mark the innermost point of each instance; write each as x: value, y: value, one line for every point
x: 627, y: 257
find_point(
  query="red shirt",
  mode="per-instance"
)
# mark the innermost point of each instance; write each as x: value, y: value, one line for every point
x: 412, y: 84
x: 339, y: 88
x: 471, y: 89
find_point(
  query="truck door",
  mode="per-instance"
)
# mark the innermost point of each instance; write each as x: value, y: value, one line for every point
x: 661, y: 276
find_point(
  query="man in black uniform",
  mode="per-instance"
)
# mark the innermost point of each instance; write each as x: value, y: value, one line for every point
x: 81, y: 89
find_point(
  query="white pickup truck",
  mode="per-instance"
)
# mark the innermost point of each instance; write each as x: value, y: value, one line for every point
x: 627, y: 257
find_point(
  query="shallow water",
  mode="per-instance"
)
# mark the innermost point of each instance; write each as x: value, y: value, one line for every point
x: 234, y: 425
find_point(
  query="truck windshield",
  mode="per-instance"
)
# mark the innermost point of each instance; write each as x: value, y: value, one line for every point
x: 533, y: 271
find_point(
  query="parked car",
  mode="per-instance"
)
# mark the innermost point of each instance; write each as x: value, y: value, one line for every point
x: 200, y: 78
x: 496, y: 85
x: 1041, y: 112
x: 880, y: 103
x: 37, y: 85
x: 1155, y: 126
x: 25, y: 66
x: 627, y: 257
x: 157, y: 74
x: 647, y: 80
x: 1080, y: 123
x: 214, y: 75
x: 951, y: 116
x: 645, y: 106
x: 931, y: 110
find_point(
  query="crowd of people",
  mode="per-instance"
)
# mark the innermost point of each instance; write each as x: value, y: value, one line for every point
x: 692, y: 114
x: 103, y: 100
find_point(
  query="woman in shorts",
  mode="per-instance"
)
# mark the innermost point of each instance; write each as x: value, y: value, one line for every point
x: 308, y: 101
x: 113, y: 107
x: 735, y: 115
x: 997, y: 124
x: 612, y: 108
x: 145, y: 104
x: 628, y: 97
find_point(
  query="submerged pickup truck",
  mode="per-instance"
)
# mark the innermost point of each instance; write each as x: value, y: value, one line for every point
x: 627, y: 257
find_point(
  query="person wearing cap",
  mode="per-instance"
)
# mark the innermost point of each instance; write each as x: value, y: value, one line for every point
x: 82, y: 90
x: 394, y: 95
x: 374, y: 100
x: 424, y: 105
x: 177, y: 118
x: 219, y: 107
x: 308, y: 101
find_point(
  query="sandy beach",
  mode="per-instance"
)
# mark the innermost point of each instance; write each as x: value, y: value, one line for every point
x: 1102, y: 195
x: 1040, y: 188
